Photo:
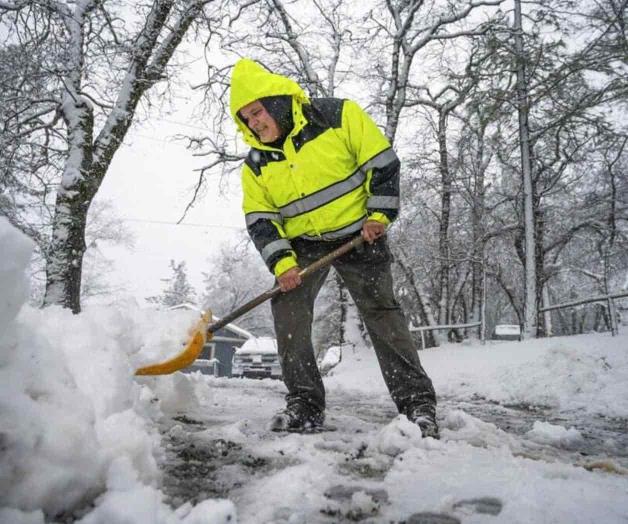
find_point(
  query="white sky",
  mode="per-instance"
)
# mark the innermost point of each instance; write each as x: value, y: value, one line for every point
x: 150, y: 182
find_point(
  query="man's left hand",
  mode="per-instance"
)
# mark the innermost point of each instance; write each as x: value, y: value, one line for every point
x: 372, y: 230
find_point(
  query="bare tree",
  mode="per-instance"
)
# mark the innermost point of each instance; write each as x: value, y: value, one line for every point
x: 238, y: 275
x: 410, y: 26
x: 530, y: 304
x: 93, y: 73
x: 178, y: 289
x: 303, y: 42
x: 444, y: 103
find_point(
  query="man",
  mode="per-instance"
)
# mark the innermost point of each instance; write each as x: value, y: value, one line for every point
x: 318, y: 173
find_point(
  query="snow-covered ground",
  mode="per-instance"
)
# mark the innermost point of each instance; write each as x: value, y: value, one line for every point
x: 531, y: 432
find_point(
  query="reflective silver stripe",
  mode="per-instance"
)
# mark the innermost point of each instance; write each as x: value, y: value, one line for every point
x: 381, y: 160
x: 251, y: 218
x: 324, y: 196
x: 383, y: 202
x: 339, y: 233
x: 273, y: 247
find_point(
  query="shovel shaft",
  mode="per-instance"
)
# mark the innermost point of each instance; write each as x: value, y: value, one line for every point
x: 267, y: 295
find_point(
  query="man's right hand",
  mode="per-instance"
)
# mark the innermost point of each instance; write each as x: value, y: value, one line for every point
x: 290, y: 279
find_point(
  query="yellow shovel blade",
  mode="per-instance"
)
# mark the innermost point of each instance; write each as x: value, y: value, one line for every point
x: 187, y: 355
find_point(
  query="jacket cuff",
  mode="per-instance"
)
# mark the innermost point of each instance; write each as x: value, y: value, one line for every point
x: 284, y: 265
x: 379, y: 217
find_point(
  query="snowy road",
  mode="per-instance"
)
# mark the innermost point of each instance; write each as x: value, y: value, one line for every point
x: 489, y: 466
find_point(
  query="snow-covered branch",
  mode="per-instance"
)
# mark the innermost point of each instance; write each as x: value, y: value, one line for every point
x: 293, y: 40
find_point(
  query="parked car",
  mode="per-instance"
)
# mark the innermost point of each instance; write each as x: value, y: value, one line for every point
x: 257, y: 358
x: 507, y: 332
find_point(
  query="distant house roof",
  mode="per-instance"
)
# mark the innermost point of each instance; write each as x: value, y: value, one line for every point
x: 186, y: 305
x: 230, y: 327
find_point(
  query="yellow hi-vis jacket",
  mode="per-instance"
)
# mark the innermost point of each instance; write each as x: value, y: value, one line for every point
x: 334, y: 170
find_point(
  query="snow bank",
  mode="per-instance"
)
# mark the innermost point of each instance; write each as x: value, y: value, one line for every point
x: 559, y: 436
x: 76, y: 428
x: 585, y: 372
x: 16, y: 252
x: 453, y: 476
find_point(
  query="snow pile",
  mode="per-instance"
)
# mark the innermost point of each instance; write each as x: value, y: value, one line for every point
x: 398, y: 436
x: 332, y: 358
x: 162, y: 331
x: 458, y: 425
x: 546, y: 433
x: 457, y: 478
x: 585, y: 372
x: 76, y: 428
x: 16, y: 252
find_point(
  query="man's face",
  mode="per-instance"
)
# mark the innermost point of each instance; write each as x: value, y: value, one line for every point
x: 257, y: 118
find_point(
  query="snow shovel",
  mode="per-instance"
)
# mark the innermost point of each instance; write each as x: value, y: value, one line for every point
x: 204, y: 329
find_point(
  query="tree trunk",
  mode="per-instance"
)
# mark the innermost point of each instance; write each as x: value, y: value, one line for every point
x: 539, y: 231
x: 88, y: 159
x: 478, y: 257
x: 434, y: 338
x: 547, y: 315
x: 64, y: 260
x: 444, y: 249
x: 530, y: 296
x: 342, y: 304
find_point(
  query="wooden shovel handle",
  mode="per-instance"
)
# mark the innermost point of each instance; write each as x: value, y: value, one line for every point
x: 313, y: 267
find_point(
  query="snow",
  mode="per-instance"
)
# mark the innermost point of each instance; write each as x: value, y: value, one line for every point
x: 16, y: 251
x: 259, y: 345
x: 82, y: 438
x: 75, y: 426
x: 233, y: 328
x: 586, y: 372
x: 332, y: 357
x: 546, y: 433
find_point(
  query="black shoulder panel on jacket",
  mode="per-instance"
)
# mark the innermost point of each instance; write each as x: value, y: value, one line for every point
x: 258, y: 158
x: 329, y: 110
x: 321, y: 114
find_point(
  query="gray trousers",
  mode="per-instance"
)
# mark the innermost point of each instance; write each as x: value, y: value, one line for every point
x: 367, y: 275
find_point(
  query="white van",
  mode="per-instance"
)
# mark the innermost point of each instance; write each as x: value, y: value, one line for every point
x: 507, y: 332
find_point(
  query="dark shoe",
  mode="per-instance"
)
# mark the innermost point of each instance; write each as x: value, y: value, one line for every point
x: 424, y: 416
x: 297, y: 418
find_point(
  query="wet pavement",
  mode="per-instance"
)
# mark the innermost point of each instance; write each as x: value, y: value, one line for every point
x: 195, y: 469
x: 603, y: 438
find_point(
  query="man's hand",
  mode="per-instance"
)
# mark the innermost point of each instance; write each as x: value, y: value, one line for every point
x: 372, y: 230
x: 290, y: 279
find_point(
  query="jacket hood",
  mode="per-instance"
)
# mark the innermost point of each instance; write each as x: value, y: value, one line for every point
x: 249, y: 82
